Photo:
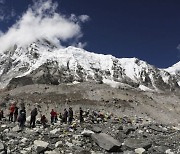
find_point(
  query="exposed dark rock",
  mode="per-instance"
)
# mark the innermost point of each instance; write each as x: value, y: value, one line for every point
x: 19, y: 81
x: 128, y: 130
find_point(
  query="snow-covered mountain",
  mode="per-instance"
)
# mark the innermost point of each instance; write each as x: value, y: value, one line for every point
x: 175, y: 71
x: 44, y: 63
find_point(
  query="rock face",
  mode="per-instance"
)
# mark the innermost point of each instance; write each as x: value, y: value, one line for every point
x: 107, y: 142
x: 43, y: 64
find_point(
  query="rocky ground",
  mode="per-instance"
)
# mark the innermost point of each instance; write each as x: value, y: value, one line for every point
x: 134, y: 121
x: 103, y: 133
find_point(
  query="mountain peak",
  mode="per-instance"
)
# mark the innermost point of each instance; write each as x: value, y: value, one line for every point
x: 175, y: 69
x: 42, y: 62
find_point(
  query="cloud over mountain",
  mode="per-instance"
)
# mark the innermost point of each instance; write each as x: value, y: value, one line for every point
x: 42, y: 21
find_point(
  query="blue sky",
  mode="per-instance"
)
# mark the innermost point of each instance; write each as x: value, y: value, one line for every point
x: 146, y: 29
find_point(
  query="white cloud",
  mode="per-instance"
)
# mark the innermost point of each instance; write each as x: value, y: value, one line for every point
x: 84, y: 18
x: 42, y: 21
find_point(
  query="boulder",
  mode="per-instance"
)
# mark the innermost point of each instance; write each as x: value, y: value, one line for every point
x: 40, y: 146
x: 140, y: 150
x: 16, y: 129
x: 2, y: 147
x: 56, y: 130
x: 3, y: 126
x: 120, y: 127
x: 51, y: 152
x: 107, y: 142
x: 87, y: 133
x: 59, y: 144
x: 23, y: 152
x: 134, y: 143
x: 24, y: 140
x: 128, y: 152
x: 169, y: 151
x: 128, y: 130
x: 157, y: 128
x: 28, y: 119
x: 83, y: 152
x: 96, y: 129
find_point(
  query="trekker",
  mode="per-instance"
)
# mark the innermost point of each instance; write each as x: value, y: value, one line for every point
x: 1, y: 114
x: 70, y: 115
x: 15, y: 113
x: 53, y: 115
x: 11, y: 112
x: 60, y: 117
x: 65, y: 116
x: 44, y: 121
x: 34, y: 113
x: 22, y: 117
x: 81, y: 115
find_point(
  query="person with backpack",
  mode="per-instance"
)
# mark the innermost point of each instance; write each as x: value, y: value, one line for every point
x: 81, y: 115
x: 60, y: 117
x: 15, y: 113
x: 70, y: 114
x: 11, y: 112
x: 34, y: 113
x: 22, y: 117
x: 44, y: 121
x: 53, y: 116
x: 1, y: 114
x: 65, y: 116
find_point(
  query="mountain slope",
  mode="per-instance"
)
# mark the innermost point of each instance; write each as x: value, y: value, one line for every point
x: 175, y: 71
x: 42, y: 62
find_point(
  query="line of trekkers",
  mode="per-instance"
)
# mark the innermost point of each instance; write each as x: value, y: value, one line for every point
x: 20, y: 116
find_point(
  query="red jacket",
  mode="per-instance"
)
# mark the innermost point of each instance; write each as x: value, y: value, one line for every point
x: 11, y: 109
x: 53, y: 114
